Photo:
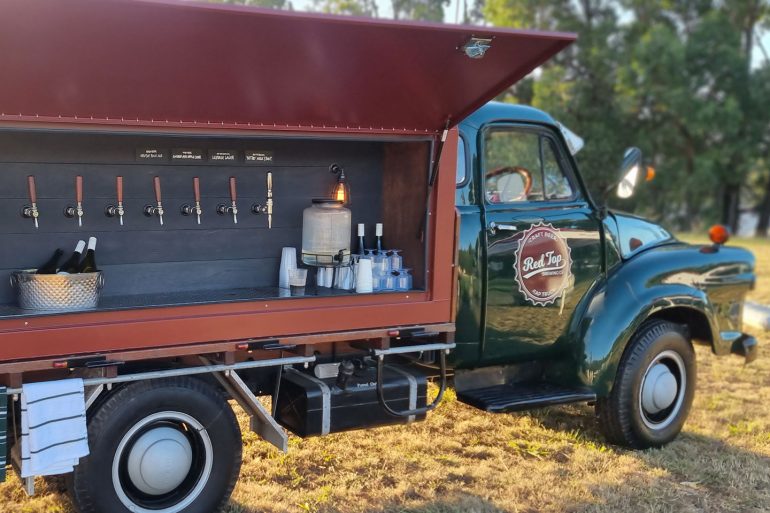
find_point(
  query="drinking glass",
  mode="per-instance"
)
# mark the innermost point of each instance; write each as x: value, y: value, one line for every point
x: 396, y: 260
x: 404, y: 280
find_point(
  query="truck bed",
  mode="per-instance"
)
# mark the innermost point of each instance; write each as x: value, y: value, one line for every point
x: 181, y: 285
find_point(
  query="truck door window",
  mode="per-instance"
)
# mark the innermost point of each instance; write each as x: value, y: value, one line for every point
x: 557, y: 185
x: 512, y: 167
x: 522, y: 165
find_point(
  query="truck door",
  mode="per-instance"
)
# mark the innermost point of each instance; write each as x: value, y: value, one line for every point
x: 543, y: 248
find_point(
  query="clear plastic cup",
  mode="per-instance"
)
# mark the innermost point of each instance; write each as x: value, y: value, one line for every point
x: 297, y: 280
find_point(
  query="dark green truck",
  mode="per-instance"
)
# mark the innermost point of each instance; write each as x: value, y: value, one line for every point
x: 563, y: 300
x: 221, y: 124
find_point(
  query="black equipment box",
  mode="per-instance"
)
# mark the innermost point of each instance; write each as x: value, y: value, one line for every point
x: 310, y: 406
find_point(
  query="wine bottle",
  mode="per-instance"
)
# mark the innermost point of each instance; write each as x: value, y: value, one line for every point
x: 378, y: 233
x: 71, y: 265
x: 88, y: 265
x: 51, y: 265
x: 360, y: 239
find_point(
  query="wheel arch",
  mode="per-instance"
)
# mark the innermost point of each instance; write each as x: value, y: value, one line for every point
x: 606, y: 335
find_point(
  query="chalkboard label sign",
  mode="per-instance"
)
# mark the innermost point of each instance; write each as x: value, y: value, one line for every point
x: 150, y: 154
x: 259, y: 156
x: 186, y: 154
x: 223, y: 155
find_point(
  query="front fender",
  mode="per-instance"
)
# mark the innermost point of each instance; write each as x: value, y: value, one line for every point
x: 711, y: 283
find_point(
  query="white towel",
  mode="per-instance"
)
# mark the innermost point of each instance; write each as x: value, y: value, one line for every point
x: 54, y: 434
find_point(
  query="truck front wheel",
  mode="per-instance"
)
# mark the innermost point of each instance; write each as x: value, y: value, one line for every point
x: 160, y: 446
x: 654, y: 388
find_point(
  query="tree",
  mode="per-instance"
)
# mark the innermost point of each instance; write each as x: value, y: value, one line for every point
x: 274, y: 4
x: 349, y: 7
x: 425, y: 10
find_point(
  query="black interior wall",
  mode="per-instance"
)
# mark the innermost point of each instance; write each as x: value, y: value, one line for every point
x: 143, y: 257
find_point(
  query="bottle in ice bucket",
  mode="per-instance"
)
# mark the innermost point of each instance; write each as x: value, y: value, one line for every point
x: 72, y: 264
x: 88, y: 265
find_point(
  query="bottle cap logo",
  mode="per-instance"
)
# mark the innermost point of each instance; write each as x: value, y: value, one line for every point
x: 543, y: 264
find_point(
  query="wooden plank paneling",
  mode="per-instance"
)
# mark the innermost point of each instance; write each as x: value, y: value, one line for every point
x: 404, y: 201
x: 142, y: 256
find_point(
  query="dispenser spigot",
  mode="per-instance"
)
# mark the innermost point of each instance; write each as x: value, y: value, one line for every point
x: 223, y: 209
x: 77, y: 210
x: 31, y: 211
x: 188, y: 210
x: 117, y: 210
x: 157, y: 210
x: 267, y: 208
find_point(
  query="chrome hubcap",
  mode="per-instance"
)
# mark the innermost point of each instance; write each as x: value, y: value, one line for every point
x: 159, y: 460
x: 662, y: 392
x: 659, y: 389
x: 162, y: 463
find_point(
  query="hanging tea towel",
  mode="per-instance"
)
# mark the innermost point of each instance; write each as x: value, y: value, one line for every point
x: 53, y: 427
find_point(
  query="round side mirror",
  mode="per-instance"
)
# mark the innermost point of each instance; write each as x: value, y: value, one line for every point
x: 629, y: 172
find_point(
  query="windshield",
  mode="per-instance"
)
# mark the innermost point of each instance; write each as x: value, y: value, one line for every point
x: 636, y: 234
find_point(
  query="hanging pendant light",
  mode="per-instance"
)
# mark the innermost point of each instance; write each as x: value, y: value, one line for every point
x: 341, y: 189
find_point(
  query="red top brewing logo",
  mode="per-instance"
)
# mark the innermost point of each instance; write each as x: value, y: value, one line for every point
x: 543, y: 264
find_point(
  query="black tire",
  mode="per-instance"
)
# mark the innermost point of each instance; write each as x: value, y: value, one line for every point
x: 188, y: 409
x: 622, y: 416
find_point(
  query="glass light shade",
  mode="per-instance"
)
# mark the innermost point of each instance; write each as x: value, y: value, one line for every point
x: 341, y: 192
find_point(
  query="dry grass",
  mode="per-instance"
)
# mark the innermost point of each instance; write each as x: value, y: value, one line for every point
x: 553, y: 460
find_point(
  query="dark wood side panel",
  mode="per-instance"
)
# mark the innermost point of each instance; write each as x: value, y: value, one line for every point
x: 404, y: 202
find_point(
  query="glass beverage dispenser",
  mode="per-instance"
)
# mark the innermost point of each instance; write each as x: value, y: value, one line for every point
x: 326, y: 226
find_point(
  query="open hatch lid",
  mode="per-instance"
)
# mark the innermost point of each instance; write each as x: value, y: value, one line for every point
x: 173, y: 63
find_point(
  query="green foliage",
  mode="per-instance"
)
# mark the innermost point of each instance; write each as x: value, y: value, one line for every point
x: 274, y: 4
x: 426, y: 10
x: 670, y: 76
x: 349, y: 7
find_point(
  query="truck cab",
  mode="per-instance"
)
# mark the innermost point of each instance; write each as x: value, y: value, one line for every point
x: 515, y: 174
x: 555, y: 292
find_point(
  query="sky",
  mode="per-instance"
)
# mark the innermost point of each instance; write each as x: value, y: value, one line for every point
x: 453, y: 14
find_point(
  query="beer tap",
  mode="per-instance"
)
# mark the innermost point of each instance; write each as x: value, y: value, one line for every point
x: 267, y: 208
x: 30, y: 211
x: 149, y: 210
x: 187, y: 210
x: 112, y: 210
x: 223, y: 209
x: 77, y: 210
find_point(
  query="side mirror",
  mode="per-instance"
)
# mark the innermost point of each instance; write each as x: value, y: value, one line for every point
x: 629, y: 172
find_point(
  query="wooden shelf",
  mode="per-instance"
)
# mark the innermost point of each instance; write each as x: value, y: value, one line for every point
x: 204, y: 297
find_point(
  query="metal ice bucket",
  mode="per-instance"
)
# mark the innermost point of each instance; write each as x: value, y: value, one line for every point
x: 57, y: 291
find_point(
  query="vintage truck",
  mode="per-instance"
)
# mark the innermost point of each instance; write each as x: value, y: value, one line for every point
x: 189, y: 137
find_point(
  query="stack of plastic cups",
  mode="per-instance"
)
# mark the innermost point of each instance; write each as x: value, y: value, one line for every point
x: 288, y: 262
x: 364, y: 279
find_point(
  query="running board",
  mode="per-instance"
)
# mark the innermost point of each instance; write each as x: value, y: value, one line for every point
x: 523, y: 396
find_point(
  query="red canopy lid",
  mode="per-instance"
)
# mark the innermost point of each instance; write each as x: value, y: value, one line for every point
x: 167, y: 62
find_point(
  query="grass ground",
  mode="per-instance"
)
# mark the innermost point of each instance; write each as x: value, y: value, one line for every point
x: 552, y: 460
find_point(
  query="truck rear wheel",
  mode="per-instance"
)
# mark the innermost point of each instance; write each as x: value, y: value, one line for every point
x: 160, y: 446
x: 654, y: 388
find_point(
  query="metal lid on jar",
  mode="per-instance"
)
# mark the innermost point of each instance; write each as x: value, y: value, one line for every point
x: 326, y: 201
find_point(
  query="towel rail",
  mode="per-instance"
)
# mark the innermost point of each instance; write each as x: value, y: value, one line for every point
x: 188, y: 371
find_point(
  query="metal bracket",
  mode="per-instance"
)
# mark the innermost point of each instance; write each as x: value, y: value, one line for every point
x: 262, y: 422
